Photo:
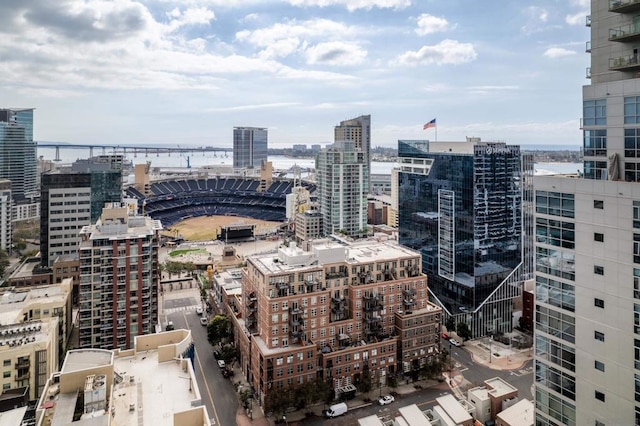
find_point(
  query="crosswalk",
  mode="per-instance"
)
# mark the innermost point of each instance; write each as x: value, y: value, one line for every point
x: 180, y: 308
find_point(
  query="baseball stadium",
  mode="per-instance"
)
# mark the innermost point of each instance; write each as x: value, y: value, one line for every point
x: 234, y: 207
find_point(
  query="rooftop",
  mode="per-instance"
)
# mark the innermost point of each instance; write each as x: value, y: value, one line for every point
x: 519, y: 414
x: 499, y: 387
x: 326, y: 251
x: 13, y: 302
x: 152, y: 385
x: 453, y: 408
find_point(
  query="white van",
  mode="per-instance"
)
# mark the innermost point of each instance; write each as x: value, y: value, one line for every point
x: 336, y: 410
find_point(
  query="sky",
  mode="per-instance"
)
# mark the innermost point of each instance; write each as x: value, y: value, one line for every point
x: 185, y: 72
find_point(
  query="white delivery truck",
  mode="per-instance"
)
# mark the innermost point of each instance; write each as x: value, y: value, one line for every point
x: 336, y: 410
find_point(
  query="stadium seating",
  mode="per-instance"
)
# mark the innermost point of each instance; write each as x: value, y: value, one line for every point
x: 172, y: 201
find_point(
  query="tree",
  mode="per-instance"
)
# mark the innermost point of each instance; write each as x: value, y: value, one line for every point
x: 4, y: 262
x: 245, y: 396
x: 365, y: 384
x: 219, y: 329
x: 463, y: 331
x: 310, y: 393
x: 228, y: 353
x: 450, y: 323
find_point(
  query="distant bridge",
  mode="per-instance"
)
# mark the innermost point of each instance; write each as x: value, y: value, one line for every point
x: 131, y: 149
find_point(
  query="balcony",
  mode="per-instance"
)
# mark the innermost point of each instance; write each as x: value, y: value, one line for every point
x: 624, y: 6
x: 624, y: 63
x: 22, y: 376
x: 588, y: 21
x: 587, y: 48
x: 588, y: 73
x: 630, y: 32
x: 22, y: 363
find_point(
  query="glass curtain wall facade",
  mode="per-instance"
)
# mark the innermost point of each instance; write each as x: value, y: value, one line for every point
x: 463, y: 212
x: 18, y: 152
x: 249, y: 147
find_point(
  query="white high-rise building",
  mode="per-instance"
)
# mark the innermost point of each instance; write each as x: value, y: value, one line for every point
x: 587, y: 331
x: 343, y: 185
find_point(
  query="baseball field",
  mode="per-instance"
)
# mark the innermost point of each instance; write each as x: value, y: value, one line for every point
x: 205, y: 228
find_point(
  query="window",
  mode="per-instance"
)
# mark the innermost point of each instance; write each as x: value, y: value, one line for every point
x: 637, y: 387
x: 594, y: 112
x: 555, y: 203
x: 599, y: 303
x: 636, y: 318
x: 636, y: 214
x: 598, y: 336
x: 595, y: 143
x: 598, y: 269
x: 598, y: 204
x: 631, y: 171
x: 632, y: 110
x: 632, y: 143
x: 599, y: 365
x: 595, y: 170
x: 598, y: 237
x: 600, y: 396
x: 555, y: 232
x: 6, y: 374
x: 6, y: 362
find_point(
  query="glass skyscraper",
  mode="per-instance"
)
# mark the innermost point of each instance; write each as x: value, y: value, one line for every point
x: 249, y: 147
x: 18, y: 161
x: 461, y: 205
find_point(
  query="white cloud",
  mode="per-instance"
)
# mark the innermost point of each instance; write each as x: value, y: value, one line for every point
x: 336, y: 53
x: 444, y: 53
x: 576, y: 18
x: 536, y: 18
x: 280, y: 48
x: 428, y: 24
x: 558, y: 52
x: 313, y: 28
x: 252, y: 107
x: 352, y: 5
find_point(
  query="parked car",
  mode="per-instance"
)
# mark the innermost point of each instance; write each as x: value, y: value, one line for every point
x: 227, y: 373
x: 216, y: 354
x: 221, y: 363
x: 169, y: 326
x: 204, y: 321
x: 454, y: 342
x: 445, y: 336
x: 386, y: 400
x: 199, y: 310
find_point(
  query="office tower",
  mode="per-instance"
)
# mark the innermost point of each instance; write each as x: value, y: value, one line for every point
x: 587, y: 309
x: 71, y: 198
x: 357, y: 130
x: 118, y: 279
x: 460, y: 204
x: 249, y: 147
x: 343, y: 184
x: 18, y: 152
x: 335, y: 312
x: 5, y: 215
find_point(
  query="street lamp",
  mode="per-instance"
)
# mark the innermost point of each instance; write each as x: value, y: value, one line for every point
x: 490, y: 340
x: 450, y: 363
x: 285, y: 419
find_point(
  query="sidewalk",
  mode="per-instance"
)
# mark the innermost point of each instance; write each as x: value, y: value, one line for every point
x: 496, y: 355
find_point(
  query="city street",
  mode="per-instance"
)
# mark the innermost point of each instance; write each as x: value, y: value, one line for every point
x: 218, y: 393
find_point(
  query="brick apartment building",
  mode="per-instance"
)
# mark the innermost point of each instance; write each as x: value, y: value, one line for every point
x: 333, y: 311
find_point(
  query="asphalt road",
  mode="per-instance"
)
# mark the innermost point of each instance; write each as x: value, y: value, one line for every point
x: 218, y: 393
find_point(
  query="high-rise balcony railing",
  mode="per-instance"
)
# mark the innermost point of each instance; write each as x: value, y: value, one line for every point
x: 587, y: 21
x: 624, y: 6
x: 624, y: 63
x: 628, y: 32
x: 588, y: 47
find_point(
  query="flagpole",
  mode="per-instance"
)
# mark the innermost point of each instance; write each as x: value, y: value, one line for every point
x: 436, y: 127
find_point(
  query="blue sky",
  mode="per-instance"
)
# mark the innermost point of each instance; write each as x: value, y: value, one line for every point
x: 185, y: 72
